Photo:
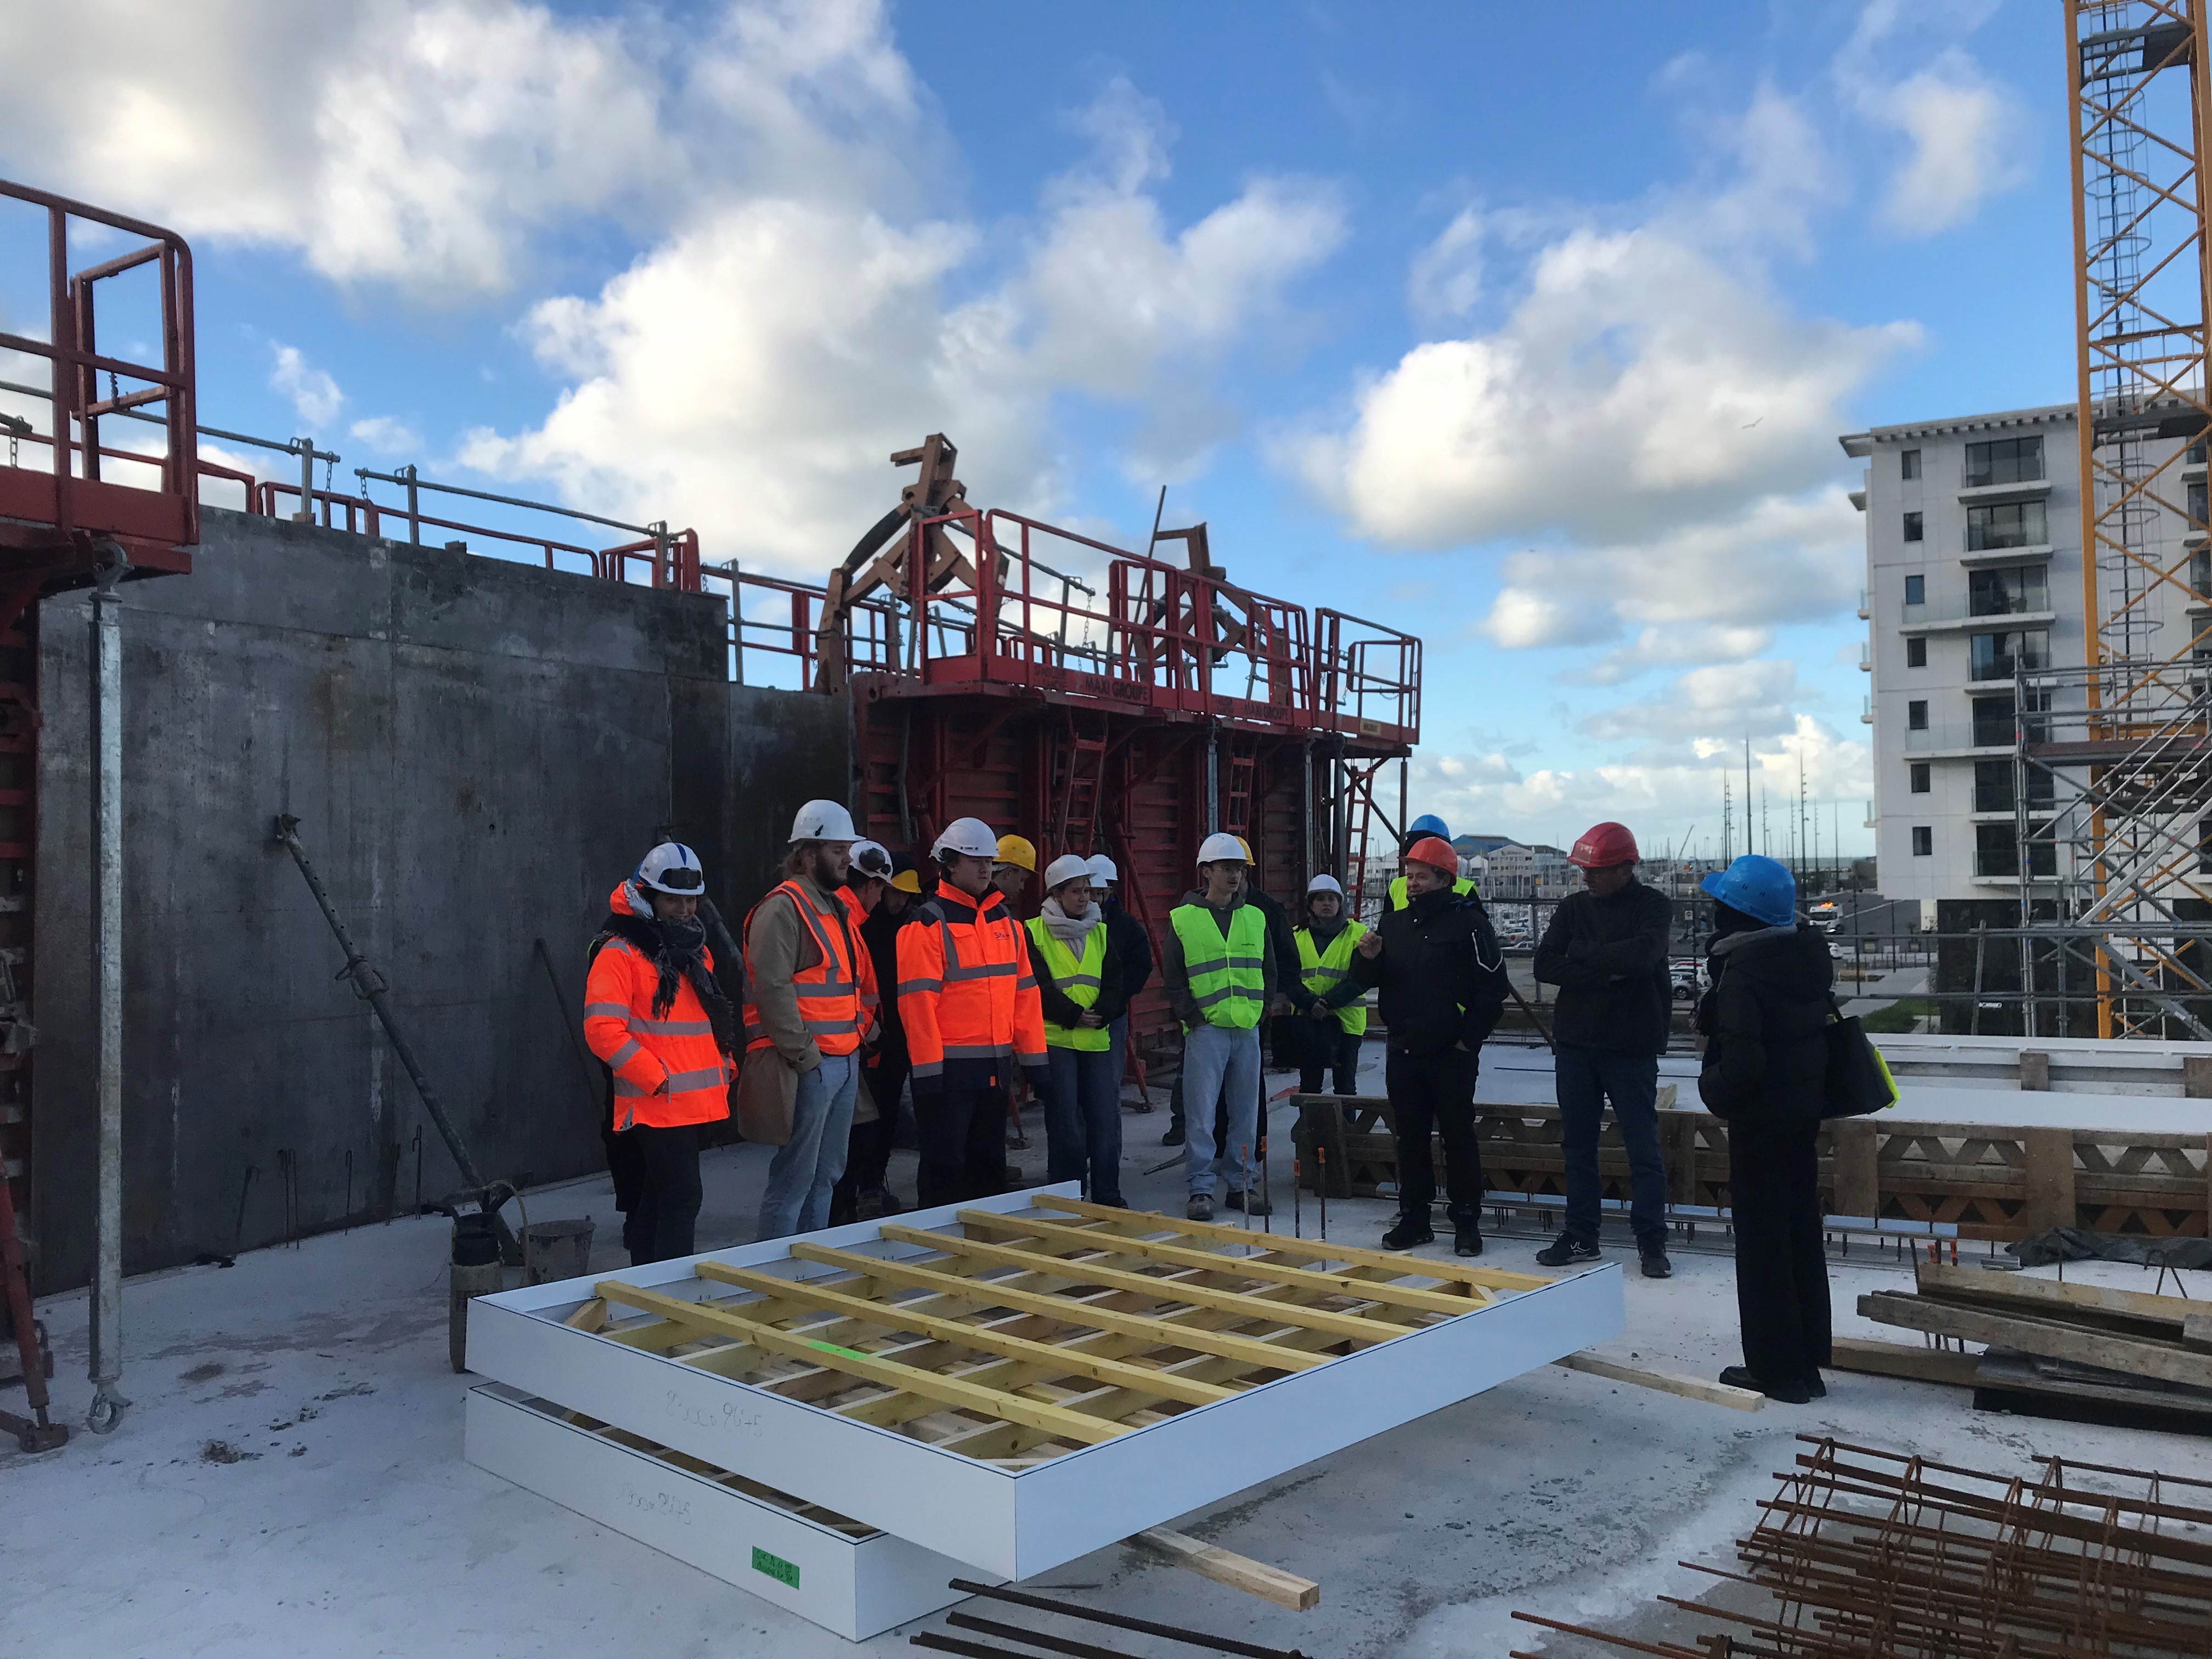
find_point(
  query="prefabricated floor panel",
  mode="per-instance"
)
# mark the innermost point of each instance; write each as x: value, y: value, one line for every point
x: 1016, y: 1381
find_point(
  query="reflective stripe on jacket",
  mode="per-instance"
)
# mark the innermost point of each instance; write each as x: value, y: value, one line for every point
x: 1228, y: 975
x: 1323, y: 972
x: 668, y: 1070
x: 872, y: 1013
x: 1078, y: 979
x: 1462, y: 887
x: 966, y: 996
x: 827, y: 990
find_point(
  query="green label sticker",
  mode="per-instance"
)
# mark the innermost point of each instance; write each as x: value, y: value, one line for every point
x: 783, y: 1572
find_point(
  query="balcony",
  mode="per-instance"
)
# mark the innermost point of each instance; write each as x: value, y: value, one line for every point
x: 1956, y: 614
x: 1959, y: 740
x: 1975, y: 558
x: 1866, y: 659
x: 1866, y: 606
x: 1866, y: 712
x: 1990, y: 495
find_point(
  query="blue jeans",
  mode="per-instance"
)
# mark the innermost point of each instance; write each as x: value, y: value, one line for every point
x: 1213, y: 1056
x: 807, y: 1166
x: 1082, y: 1121
x: 1587, y: 1078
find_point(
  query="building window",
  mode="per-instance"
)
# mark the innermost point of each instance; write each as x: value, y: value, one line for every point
x: 2196, y: 503
x: 2003, y: 461
x: 2000, y: 656
x: 2204, y: 847
x: 2010, y: 524
x: 1993, y: 786
x: 1916, y: 651
x: 1996, y: 850
x: 1908, y: 463
x: 1924, y: 841
x: 1996, y: 722
x: 2007, y: 589
x: 1916, y: 715
x: 1912, y: 527
x: 1916, y: 588
x: 2200, y: 571
x: 1918, y: 773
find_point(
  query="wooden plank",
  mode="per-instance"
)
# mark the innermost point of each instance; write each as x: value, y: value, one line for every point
x: 2169, y: 1362
x: 2054, y: 1296
x: 2035, y: 1072
x: 592, y: 1315
x: 1488, y: 1279
x: 1915, y: 1364
x: 968, y: 1396
x: 1284, y: 1590
x: 1689, y: 1387
x: 1249, y: 1350
x: 2047, y: 1180
x: 892, y: 1316
x: 1855, y: 1168
x: 1082, y: 1273
x: 1251, y: 1266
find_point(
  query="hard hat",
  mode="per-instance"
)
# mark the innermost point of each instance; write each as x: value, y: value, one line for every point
x: 1068, y: 867
x: 1218, y: 847
x: 907, y: 881
x: 1602, y: 844
x: 1246, y: 845
x: 971, y: 836
x: 1430, y: 824
x: 1013, y: 850
x: 1437, y: 854
x: 1102, y: 868
x: 1324, y: 885
x: 871, y: 858
x: 672, y: 868
x: 1762, y: 888
x: 824, y: 820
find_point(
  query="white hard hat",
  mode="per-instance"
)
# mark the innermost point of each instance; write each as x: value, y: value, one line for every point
x: 1066, y: 867
x: 1325, y: 884
x: 872, y: 858
x: 1102, y: 868
x: 969, y: 835
x: 824, y: 820
x: 672, y: 868
x: 1217, y: 847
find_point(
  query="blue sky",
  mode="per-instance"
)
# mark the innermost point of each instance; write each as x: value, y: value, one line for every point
x: 1532, y: 340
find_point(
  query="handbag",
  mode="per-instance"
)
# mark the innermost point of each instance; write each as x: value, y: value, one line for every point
x: 1858, y: 1081
x: 768, y: 1097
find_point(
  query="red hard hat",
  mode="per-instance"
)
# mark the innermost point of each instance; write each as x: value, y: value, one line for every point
x: 1603, y: 844
x: 1431, y: 851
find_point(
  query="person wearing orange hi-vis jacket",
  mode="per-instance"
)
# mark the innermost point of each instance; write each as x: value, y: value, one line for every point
x: 969, y: 1003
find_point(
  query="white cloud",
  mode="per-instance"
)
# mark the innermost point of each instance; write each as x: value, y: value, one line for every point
x: 1446, y: 278
x: 387, y: 435
x: 313, y: 395
x: 1962, y: 131
x: 1743, y: 698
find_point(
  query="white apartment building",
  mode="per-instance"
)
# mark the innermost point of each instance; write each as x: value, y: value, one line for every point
x: 1973, y: 530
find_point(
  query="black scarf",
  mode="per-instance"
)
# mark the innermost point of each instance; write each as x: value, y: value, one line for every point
x: 677, y: 949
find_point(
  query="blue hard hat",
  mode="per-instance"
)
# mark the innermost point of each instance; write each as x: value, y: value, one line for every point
x: 1428, y: 824
x: 1762, y: 888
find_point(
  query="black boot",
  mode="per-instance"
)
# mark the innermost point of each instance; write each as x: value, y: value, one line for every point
x: 1411, y: 1230
x: 1466, y: 1238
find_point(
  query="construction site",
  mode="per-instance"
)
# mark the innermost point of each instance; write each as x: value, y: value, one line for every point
x: 323, y: 1329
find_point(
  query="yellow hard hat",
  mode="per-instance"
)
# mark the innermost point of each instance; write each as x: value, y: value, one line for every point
x: 1246, y: 845
x: 1013, y: 850
x: 907, y: 882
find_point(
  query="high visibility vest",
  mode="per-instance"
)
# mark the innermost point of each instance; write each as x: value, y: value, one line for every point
x: 828, y: 993
x: 1323, y: 972
x: 668, y: 1070
x: 1228, y: 976
x: 1076, y: 980
x: 966, y: 996
x: 1463, y: 887
x: 864, y: 966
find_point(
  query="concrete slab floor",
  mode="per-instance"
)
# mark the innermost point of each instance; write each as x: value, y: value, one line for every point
x: 289, y: 1480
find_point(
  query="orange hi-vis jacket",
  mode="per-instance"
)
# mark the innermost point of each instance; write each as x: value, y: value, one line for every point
x: 829, y: 989
x: 668, y: 1070
x: 966, y: 996
x: 871, y: 1017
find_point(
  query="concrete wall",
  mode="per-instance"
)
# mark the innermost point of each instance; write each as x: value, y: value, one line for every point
x: 477, y: 752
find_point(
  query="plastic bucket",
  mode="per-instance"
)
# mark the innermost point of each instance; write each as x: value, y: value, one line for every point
x: 555, y: 1250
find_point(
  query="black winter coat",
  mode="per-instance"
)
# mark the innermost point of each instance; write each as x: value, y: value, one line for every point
x: 1766, y: 1052
x: 1282, y: 946
x: 1442, y: 973
x: 1127, y: 939
x: 1609, y: 957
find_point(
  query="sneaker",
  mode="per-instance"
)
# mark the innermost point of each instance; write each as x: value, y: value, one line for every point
x: 1250, y: 1203
x: 1411, y: 1230
x: 1789, y: 1393
x: 1565, y: 1251
x: 1656, y: 1264
x: 1201, y: 1207
x: 1467, y: 1240
x: 1174, y: 1136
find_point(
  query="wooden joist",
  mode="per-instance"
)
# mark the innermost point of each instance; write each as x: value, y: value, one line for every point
x: 1689, y: 1387
x: 2168, y: 1362
x: 1284, y: 1590
x: 1902, y: 1360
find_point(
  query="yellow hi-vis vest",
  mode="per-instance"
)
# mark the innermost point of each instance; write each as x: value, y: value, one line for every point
x: 1228, y: 976
x: 1463, y: 887
x: 1077, y: 981
x: 1323, y: 972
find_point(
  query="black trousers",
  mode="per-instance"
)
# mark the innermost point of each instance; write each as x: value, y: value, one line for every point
x: 962, y: 1134
x: 1431, y: 1092
x: 660, y: 1224
x: 1781, y: 1270
x: 1329, y: 1047
x: 868, y: 1149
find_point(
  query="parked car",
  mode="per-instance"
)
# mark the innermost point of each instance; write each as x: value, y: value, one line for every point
x: 1690, y: 978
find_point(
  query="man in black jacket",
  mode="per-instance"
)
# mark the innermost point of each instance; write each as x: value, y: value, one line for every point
x: 1443, y: 979
x: 1126, y: 938
x: 1606, y: 949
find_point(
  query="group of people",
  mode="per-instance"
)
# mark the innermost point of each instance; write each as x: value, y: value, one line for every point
x: 865, y: 978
